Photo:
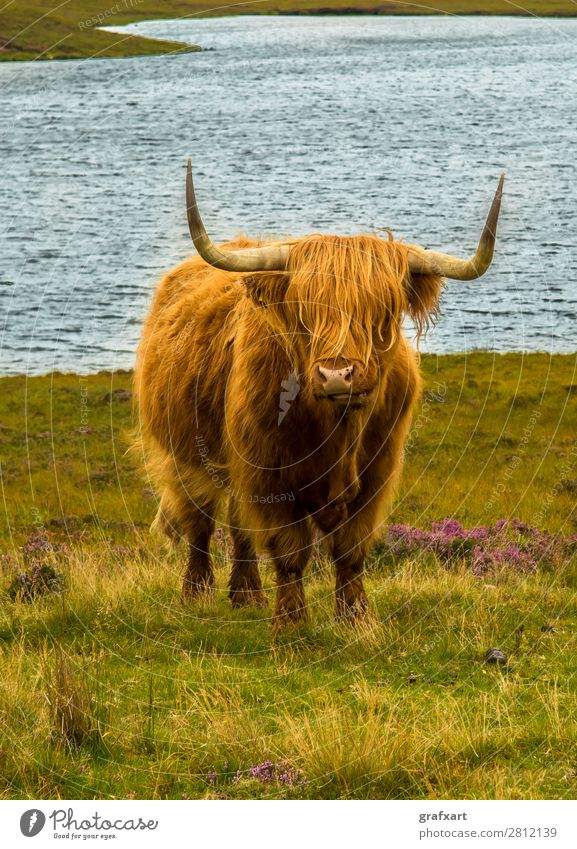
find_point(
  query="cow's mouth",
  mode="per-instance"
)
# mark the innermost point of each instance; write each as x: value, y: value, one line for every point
x: 342, y: 398
x: 347, y: 399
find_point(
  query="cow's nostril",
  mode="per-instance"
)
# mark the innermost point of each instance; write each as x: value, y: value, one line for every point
x: 336, y: 381
x: 325, y: 374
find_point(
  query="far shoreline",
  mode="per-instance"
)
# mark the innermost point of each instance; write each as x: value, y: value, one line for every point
x: 89, y: 34
x: 481, y: 357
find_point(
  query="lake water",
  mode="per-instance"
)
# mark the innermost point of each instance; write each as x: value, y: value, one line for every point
x: 295, y: 125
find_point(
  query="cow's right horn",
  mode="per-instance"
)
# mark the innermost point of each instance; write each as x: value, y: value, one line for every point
x: 269, y: 258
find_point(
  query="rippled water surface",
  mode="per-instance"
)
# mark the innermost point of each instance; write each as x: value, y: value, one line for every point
x: 295, y: 124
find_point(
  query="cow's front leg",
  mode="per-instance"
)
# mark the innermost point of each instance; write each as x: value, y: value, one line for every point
x: 349, y: 552
x: 290, y: 550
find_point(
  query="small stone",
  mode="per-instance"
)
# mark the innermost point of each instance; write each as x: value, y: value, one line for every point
x: 412, y: 679
x: 547, y: 629
x: 496, y: 656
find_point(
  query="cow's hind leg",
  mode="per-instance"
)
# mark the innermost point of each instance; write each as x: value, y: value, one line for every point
x: 199, y: 577
x: 245, y: 587
x: 187, y: 510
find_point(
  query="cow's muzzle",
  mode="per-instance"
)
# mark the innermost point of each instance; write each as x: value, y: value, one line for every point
x: 337, y: 381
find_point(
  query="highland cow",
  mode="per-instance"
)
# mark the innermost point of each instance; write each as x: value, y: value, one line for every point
x: 275, y: 378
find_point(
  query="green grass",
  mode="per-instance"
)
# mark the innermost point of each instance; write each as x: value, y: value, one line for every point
x: 491, y: 440
x: 115, y: 689
x: 44, y: 29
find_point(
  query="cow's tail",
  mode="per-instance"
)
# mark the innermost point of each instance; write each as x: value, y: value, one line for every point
x: 165, y: 525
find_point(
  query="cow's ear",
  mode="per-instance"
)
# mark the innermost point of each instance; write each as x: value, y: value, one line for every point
x: 423, y: 294
x: 265, y: 289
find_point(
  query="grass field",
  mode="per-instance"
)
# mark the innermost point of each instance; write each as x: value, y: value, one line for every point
x: 44, y: 29
x: 110, y: 687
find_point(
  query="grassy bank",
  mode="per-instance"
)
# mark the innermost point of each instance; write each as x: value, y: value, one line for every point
x: 43, y: 29
x: 492, y: 440
x: 110, y: 687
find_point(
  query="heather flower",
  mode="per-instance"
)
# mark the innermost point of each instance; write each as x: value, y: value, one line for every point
x: 37, y: 547
x: 40, y: 579
x: 221, y: 541
x: 40, y: 576
x: 268, y: 772
x: 264, y: 771
x: 479, y: 534
x: 6, y: 560
x: 220, y: 536
x: 524, y: 529
x: 512, y: 544
x: 290, y: 776
x: 449, y: 528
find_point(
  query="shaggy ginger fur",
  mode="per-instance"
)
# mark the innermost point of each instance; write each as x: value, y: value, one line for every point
x: 217, y: 352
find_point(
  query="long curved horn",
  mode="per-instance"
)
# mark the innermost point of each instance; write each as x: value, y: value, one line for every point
x: 422, y: 261
x: 269, y: 258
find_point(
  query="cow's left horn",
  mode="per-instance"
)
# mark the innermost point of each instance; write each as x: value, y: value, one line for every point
x: 269, y: 258
x: 422, y: 261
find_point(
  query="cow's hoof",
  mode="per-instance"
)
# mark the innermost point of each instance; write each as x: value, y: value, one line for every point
x: 247, y: 598
x: 284, y: 624
x: 353, y: 610
x: 288, y: 617
x: 197, y: 591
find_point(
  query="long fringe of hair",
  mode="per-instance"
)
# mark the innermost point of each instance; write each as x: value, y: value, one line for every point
x: 344, y: 290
